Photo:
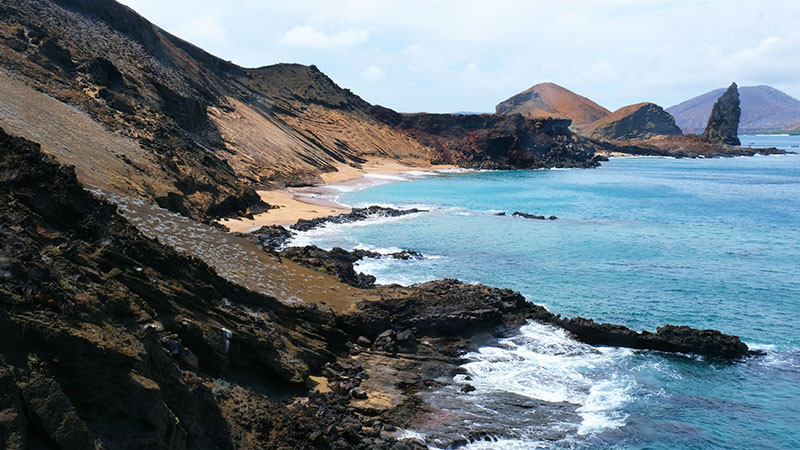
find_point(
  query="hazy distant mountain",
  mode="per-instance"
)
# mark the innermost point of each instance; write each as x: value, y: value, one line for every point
x: 764, y: 109
x: 552, y: 100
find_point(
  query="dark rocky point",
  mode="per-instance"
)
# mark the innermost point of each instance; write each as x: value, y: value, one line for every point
x: 357, y: 214
x: 723, y: 124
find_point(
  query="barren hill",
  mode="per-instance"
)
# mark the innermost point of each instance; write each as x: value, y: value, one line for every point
x: 552, y: 100
x: 764, y: 109
x: 639, y: 121
x: 142, y: 112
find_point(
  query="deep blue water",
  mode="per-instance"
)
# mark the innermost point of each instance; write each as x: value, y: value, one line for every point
x: 710, y: 243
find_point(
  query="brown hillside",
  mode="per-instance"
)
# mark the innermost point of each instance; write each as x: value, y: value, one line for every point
x: 142, y: 112
x: 551, y: 100
x: 639, y: 121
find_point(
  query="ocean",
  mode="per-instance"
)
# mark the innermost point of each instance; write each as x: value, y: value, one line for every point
x: 709, y: 243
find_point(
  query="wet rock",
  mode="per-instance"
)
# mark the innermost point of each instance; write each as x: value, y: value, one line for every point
x: 528, y: 216
x: 357, y: 214
x: 723, y: 123
x: 669, y: 338
x: 337, y: 261
x: 467, y: 388
x: 363, y: 341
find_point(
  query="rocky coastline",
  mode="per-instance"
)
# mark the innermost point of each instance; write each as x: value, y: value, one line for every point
x: 103, y: 322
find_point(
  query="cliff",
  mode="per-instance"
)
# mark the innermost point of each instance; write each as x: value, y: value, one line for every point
x: 498, y: 141
x: 639, y: 121
x: 551, y: 100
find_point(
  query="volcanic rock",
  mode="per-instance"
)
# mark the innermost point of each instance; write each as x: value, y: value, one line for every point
x: 551, y: 100
x: 356, y: 215
x: 723, y: 124
x: 639, y: 121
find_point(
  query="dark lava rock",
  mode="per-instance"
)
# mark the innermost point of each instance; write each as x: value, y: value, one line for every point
x: 357, y: 214
x: 529, y: 216
x: 467, y: 388
x: 494, y: 141
x: 406, y: 255
x: 269, y: 237
x: 723, y: 124
x: 336, y: 261
x: 669, y: 338
x: 639, y: 121
x: 104, y: 73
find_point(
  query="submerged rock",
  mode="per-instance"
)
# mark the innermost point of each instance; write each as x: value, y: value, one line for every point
x: 531, y: 216
x: 723, y: 124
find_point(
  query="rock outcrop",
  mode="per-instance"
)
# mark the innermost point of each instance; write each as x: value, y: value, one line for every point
x: 551, y: 100
x: 356, y: 215
x: 113, y: 340
x: 639, y: 121
x: 492, y: 141
x: 723, y: 123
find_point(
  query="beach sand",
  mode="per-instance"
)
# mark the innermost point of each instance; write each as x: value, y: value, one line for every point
x: 295, y: 204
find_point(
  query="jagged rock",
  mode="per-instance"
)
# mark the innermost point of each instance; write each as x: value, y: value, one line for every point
x: 269, y: 237
x: 357, y: 214
x: 639, y: 121
x: 723, y: 124
x: 337, y: 261
x: 492, y: 141
x: 532, y: 216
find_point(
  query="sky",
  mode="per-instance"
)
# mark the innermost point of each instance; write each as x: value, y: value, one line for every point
x: 469, y: 55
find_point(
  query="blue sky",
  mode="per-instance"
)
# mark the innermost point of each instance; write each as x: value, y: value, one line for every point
x: 469, y: 55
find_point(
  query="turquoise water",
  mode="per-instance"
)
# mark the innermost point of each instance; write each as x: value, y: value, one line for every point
x: 710, y: 243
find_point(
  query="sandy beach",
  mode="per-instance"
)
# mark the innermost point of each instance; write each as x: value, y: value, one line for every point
x: 312, y: 202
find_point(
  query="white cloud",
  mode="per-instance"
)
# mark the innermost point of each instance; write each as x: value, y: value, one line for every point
x: 308, y: 36
x: 616, y: 52
x: 373, y: 74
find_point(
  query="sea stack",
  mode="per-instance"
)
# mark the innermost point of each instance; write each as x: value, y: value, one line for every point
x: 723, y: 124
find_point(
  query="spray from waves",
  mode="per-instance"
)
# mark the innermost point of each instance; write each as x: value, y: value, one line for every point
x: 337, y: 232
x: 542, y: 362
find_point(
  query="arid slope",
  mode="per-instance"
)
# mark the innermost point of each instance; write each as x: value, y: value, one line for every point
x: 551, y: 100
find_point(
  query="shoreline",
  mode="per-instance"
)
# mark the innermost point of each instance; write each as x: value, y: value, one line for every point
x: 317, y: 201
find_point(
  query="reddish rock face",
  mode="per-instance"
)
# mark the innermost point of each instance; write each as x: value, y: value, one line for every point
x: 549, y: 100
